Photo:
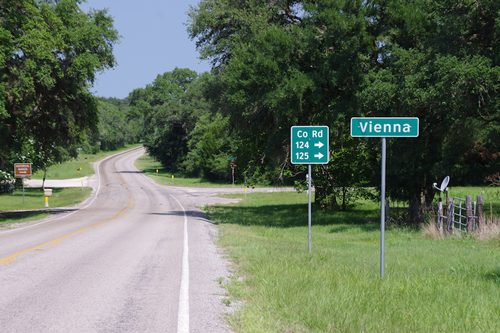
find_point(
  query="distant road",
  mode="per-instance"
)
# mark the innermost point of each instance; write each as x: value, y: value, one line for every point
x: 138, y: 258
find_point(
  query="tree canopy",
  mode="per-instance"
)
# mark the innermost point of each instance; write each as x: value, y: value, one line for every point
x: 437, y: 62
x: 283, y: 63
x: 50, y: 52
x: 275, y: 64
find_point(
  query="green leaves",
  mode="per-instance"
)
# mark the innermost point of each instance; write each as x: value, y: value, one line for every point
x: 210, y: 144
x: 280, y: 64
x: 284, y: 63
x: 49, y: 55
x: 427, y: 68
x: 171, y: 106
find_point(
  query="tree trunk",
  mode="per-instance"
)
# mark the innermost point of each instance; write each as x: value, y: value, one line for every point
x: 44, y: 177
x: 468, y: 214
x: 480, y: 212
x: 344, y: 194
x: 419, y: 203
x: 415, y: 210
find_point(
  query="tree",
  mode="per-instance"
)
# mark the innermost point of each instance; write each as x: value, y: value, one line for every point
x: 49, y: 55
x: 171, y: 105
x: 284, y: 63
x: 442, y: 71
x: 119, y: 124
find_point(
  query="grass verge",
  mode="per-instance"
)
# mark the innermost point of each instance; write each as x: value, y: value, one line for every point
x: 33, y: 199
x: 450, y: 285
x: 491, y: 196
x: 23, y: 218
x: 78, y: 167
x: 148, y: 165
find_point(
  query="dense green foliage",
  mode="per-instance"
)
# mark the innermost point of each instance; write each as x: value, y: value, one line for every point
x: 119, y: 125
x: 209, y: 147
x: 447, y: 74
x: 50, y: 53
x: 179, y: 129
x: 283, y: 63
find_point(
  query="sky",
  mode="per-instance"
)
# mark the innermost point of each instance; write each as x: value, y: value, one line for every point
x: 153, y: 40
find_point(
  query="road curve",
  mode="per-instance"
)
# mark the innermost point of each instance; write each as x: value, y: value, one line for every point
x: 139, y: 258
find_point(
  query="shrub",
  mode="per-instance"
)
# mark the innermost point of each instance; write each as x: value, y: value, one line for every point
x: 7, y: 182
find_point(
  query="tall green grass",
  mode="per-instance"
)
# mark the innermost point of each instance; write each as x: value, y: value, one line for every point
x: 450, y: 285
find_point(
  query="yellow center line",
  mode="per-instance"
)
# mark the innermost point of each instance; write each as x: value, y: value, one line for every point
x: 13, y: 257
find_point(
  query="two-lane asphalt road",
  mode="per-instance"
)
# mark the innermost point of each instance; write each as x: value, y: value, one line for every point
x: 137, y: 258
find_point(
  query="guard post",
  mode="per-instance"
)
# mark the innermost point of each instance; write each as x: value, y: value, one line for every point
x: 46, y: 194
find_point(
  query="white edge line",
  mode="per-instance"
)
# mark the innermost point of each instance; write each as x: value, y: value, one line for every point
x: 183, y: 313
x: 183, y: 309
x: 85, y: 206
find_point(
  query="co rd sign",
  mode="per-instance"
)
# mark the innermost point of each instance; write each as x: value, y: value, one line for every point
x: 310, y: 145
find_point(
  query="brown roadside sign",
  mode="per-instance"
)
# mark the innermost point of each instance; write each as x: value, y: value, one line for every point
x: 22, y: 170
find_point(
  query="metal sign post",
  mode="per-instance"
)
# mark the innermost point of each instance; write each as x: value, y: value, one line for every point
x: 384, y: 127
x: 232, y: 164
x: 22, y: 170
x: 309, y: 145
x: 382, y: 210
x: 309, y: 208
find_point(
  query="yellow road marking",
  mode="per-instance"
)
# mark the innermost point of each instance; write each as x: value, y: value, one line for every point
x: 12, y: 257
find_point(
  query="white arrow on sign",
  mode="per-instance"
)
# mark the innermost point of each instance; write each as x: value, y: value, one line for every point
x: 319, y: 145
x: 319, y: 155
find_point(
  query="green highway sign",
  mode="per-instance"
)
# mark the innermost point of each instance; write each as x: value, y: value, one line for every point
x: 310, y: 145
x: 385, y: 127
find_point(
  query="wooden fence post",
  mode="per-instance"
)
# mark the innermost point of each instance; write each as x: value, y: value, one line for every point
x: 450, y: 215
x: 480, y: 212
x: 470, y: 216
x: 440, y: 216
